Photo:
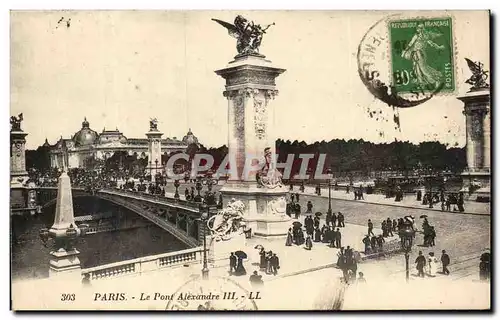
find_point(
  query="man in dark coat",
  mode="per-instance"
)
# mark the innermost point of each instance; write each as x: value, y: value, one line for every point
x: 338, y: 239
x: 366, y: 242
x: 389, y: 227
x: 297, y: 210
x: 373, y: 242
x: 275, y: 263
x: 232, y: 263
x: 328, y: 218
x: 340, y: 218
x: 420, y: 261
x: 370, y: 228
x: 316, y: 222
x: 445, y: 261
x: 334, y: 220
x: 309, y: 207
x: 332, y: 235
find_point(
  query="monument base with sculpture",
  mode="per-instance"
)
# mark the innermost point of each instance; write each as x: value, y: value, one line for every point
x: 477, y: 176
x: 265, y: 208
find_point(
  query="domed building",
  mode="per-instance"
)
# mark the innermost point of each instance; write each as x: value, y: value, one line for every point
x: 86, y: 136
x: 86, y: 144
x: 190, y: 138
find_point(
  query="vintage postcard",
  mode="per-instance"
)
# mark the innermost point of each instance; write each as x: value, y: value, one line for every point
x: 250, y: 160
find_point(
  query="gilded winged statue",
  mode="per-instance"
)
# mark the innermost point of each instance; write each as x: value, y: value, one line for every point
x: 248, y: 34
x: 479, y: 75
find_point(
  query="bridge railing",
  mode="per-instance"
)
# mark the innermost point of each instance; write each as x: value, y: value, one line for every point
x: 145, y: 264
x: 161, y: 198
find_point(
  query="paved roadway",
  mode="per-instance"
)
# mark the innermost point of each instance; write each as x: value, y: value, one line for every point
x: 459, y: 234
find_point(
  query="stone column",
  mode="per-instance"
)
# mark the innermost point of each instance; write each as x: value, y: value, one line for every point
x: 154, y: 152
x: 250, y: 90
x: 478, y: 148
x: 64, y: 262
x: 476, y: 111
x: 18, y: 172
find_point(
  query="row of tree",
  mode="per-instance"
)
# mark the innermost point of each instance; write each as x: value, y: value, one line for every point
x: 341, y: 156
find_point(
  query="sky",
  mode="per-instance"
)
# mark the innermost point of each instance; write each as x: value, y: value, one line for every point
x: 121, y: 68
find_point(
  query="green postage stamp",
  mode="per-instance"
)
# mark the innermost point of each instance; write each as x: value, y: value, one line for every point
x: 422, y: 55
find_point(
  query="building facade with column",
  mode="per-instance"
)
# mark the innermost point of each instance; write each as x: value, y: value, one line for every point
x: 87, y: 145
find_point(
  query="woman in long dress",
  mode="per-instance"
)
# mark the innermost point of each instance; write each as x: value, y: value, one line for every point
x: 309, y: 243
x: 432, y: 264
x: 289, y: 238
x: 425, y: 75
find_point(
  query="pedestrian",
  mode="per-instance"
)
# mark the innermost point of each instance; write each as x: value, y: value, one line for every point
x: 332, y: 237
x: 328, y: 218
x: 334, y: 220
x: 445, y: 261
x: 256, y: 279
x: 340, y: 218
x: 309, y: 243
x: 289, y: 238
x: 370, y: 228
x: 384, y: 228
x: 292, y: 197
x: 275, y: 264
x: 297, y: 196
x: 338, y: 239
x: 389, y: 228
x: 373, y: 242
x: 86, y: 280
x: 432, y: 264
x: 262, y: 264
x: 361, y: 278
x: 317, y: 234
x: 297, y: 210
x: 309, y: 206
x: 232, y: 263
x: 380, y: 243
x: 420, y: 261
x: 366, y: 242
x: 316, y: 222
x: 394, y: 225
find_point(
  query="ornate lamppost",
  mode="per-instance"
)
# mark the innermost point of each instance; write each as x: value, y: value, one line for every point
x: 205, y: 213
x: 209, y: 181
x: 198, y: 188
x: 329, y: 172
x: 176, y: 185
x: 406, y: 235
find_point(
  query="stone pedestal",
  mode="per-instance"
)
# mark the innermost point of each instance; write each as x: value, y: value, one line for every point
x: 250, y: 91
x: 154, y: 149
x: 65, y: 264
x: 221, y: 250
x: 478, y: 147
x: 18, y: 173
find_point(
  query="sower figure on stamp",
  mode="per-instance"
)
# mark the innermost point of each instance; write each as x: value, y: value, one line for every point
x: 426, y: 76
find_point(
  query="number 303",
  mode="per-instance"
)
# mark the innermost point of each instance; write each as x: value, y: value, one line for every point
x: 68, y: 297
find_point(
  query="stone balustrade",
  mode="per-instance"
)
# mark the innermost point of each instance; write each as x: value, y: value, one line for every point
x: 145, y: 264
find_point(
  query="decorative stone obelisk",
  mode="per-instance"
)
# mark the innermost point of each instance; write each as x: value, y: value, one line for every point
x: 18, y: 173
x: 64, y: 259
x: 250, y: 90
x: 154, y: 137
x: 477, y: 177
